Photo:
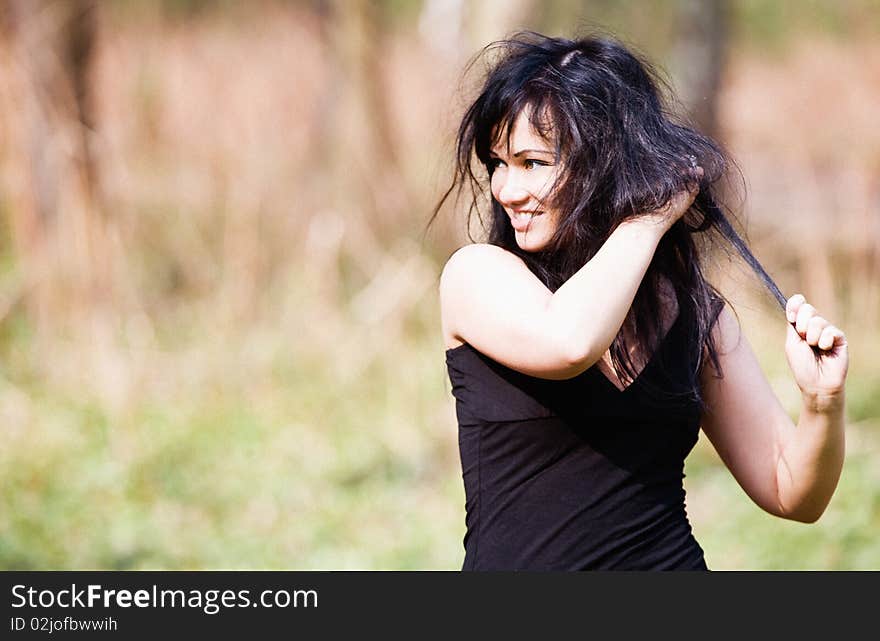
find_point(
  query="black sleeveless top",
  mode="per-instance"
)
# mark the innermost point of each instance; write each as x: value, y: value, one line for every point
x: 576, y: 474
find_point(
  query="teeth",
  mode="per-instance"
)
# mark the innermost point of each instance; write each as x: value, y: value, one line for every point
x: 524, y: 216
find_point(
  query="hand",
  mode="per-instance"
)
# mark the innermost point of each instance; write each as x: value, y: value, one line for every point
x: 671, y: 212
x: 816, y: 352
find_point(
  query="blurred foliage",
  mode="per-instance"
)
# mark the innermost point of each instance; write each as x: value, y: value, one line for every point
x: 762, y: 23
x: 772, y: 25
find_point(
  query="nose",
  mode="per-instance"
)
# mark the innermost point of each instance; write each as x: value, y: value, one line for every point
x: 512, y: 192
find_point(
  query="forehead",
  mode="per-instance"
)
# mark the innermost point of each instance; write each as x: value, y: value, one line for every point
x: 520, y: 133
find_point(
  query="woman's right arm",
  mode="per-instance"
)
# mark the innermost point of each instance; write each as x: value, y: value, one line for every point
x: 491, y: 300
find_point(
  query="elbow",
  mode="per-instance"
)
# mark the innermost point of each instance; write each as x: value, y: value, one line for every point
x: 578, y: 353
x: 806, y: 501
x: 578, y: 359
x: 805, y: 513
x: 574, y: 346
x: 806, y: 516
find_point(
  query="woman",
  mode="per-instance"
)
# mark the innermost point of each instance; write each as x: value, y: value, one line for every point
x: 584, y: 346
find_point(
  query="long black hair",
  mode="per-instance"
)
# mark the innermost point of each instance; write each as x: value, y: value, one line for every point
x: 624, y: 153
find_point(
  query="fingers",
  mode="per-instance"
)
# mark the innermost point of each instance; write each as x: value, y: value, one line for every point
x: 791, y: 307
x: 804, y: 314
x: 679, y: 203
x: 814, y: 329
x: 694, y: 166
x: 686, y: 197
x: 830, y: 335
x: 695, y: 175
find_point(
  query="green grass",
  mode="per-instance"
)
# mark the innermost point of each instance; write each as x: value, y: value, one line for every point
x: 250, y: 451
x: 242, y: 465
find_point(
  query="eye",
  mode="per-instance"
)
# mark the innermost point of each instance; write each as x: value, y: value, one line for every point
x: 494, y: 163
x: 531, y: 163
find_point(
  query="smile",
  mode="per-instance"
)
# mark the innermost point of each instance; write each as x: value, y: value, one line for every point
x: 522, y: 220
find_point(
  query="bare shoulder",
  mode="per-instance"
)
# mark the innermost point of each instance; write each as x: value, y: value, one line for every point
x: 728, y: 338
x: 477, y: 259
x: 490, y: 299
x: 478, y: 255
x: 467, y: 264
x: 726, y: 333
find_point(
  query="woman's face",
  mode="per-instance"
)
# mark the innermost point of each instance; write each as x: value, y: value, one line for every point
x: 523, y: 176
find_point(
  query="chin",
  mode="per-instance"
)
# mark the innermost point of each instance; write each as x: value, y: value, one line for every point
x: 531, y: 244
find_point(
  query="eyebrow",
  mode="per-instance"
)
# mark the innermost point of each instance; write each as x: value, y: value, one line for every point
x: 526, y: 151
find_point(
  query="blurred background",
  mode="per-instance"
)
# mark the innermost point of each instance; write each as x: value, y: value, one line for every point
x: 219, y: 328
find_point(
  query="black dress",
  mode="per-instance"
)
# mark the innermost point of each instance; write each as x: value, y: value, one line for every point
x: 576, y: 474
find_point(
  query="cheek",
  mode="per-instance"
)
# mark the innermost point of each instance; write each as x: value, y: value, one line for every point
x: 495, y: 184
x: 544, y: 184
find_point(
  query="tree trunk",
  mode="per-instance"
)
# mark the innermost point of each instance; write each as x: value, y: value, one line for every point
x: 698, y: 59
x: 52, y: 182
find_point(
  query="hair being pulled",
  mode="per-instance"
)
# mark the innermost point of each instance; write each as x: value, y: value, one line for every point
x: 624, y: 153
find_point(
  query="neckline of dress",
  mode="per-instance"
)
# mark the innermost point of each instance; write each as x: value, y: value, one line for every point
x: 660, y: 346
x: 607, y: 380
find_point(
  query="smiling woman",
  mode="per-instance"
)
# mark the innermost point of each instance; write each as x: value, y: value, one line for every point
x: 584, y: 346
x: 524, y: 173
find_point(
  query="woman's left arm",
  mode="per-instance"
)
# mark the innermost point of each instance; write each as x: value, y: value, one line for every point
x: 789, y: 470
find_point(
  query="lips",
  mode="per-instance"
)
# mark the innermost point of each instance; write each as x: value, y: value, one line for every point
x: 521, y: 220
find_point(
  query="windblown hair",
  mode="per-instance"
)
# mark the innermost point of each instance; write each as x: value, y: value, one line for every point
x: 623, y: 154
